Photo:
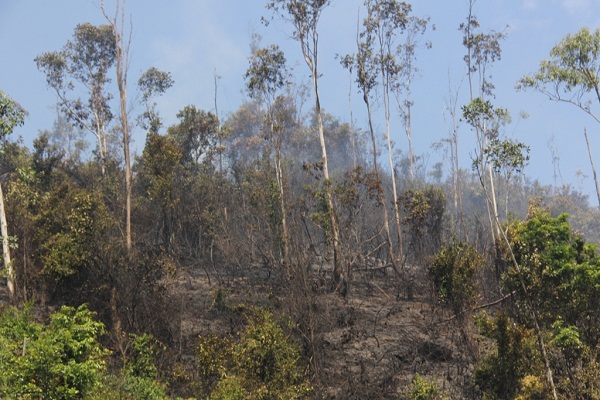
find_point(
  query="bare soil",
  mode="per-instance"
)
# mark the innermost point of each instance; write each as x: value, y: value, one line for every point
x: 368, y: 345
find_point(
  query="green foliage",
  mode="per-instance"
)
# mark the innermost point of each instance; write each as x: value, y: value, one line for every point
x: 573, y: 69
x: 304, y: 16
x: 152, y: 83
x: 481, y: 114
x: 499, y: 375
x: 422, y: 389
x: 507, y: 156
x: 230, y: 388
x: 159, y: 168
x: 532, y: 388
x: 140, y: 375
x: 11, y: 115
x: 566, y: 338
x: 483, y: 49
x: 453, y: 273
x: 61, y: 360
x: 560, y: 271
x: 262, y: 363
x: 196, y: 135
x: 423, y: 214
x: 267, y: 72
x: 559, y: 277
x: 70, y: 222
x: 213, y: 357
x: 87, y: 59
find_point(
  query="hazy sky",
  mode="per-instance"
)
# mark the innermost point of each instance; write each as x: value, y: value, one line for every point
x: 194, y: 39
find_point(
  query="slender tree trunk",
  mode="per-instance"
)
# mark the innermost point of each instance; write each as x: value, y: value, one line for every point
x: 494, y: 201
x: 411, y: 152
x: 587, y: 141
x: 480, y: 132
x: 122, y: 64
x: 458, y: 207
x: 101, y: 143
x: 279, y: 177
x: 340, y: 281
x: 284, y: 227
x: 10, y: 273
x: 458, y: 186
x: 386, y: 106
x: 310, y: 53
x: 353, y: 138
x: 382, y: 202
x: 125, y: 128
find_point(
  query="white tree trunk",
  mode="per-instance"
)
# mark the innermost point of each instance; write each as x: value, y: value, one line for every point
x: 10, y: 273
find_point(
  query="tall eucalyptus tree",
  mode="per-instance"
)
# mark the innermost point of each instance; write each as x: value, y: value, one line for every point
x: 483, y: 49
x: 266, y: 76
x: 121, y: 48
x: 386, y: 19
x: 82, y: 66
x: 304, y: 15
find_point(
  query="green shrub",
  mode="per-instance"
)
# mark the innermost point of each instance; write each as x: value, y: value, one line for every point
x: 261, y: 363
x: 140, y: 374
x: 500, y: 375
x: 61, y: 360
x: 453, y: 272
x: 422, y: 389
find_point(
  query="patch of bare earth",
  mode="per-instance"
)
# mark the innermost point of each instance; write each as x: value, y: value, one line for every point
x: 369, y: 345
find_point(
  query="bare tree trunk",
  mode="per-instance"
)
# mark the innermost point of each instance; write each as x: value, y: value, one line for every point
x: 122, y: 63
x: 280, y: 186
x: 453, y: 140
x: 411, y: 151
x: 458, y: 186
x: 480, y: 132
x: 340, y: 281
x: 306, y: 33
x: 494, y: 201
x: 284, y: 227
x: 587, y: 141
x: 382, y: 202
x: 10, y: 273
x: 386, y: 106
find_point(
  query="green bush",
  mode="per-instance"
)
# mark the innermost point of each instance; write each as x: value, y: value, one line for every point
x: 140, y: 375
x: 422, y: 389
x: 560, y: 271
x: 61, y: 360
x: 453, y: 273
x: 261, y: 363
x: 501, y: 374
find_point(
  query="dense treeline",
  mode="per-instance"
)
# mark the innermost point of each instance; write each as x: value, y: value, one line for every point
x: 256, y: 242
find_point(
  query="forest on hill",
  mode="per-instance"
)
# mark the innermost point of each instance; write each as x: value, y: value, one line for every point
x: 282, y: 252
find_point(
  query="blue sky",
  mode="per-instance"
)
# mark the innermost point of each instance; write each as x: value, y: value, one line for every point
x: 193, y: 39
